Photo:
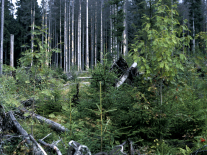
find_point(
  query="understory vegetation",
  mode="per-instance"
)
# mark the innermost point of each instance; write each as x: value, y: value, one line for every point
x: 162, y: 110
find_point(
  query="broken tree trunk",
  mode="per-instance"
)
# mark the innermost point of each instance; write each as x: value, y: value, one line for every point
x: 53, y: 125
x: 125, y: 76
x: 28, y: 138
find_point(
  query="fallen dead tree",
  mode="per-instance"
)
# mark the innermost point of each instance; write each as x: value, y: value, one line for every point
x: 123, y: 72
x: 53, y: 125
x: 37, y: 149
x: 75, y: 148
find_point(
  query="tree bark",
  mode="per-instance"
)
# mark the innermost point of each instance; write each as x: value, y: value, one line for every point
x: 2, y: 37
x: 65, y: 39
x: 79, y: 37
x: 96, y: 35
x: 72, y: 55
x: 87, y: 48
x: 101, y: 51
x: 125, y: 42
x: 69, y: 49
x: 11, y: 50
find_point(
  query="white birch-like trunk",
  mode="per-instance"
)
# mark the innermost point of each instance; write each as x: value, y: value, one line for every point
x: 2, y: 36
x: 87, y: 47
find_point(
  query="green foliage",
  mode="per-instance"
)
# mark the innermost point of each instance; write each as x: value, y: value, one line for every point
x: 159, y: 53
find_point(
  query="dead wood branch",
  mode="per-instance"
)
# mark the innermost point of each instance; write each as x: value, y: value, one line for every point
x: 28, y: 138
x: 53, y: 125
x: 52, y: 146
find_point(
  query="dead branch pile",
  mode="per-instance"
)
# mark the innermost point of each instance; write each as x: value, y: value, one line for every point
x: 10, y: 129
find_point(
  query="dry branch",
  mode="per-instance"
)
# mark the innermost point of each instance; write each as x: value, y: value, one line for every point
x: 54, y: 147
x: 28, y: 138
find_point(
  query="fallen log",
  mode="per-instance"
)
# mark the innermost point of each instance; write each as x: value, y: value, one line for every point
x: 38, y: 150
x: 53, y: 125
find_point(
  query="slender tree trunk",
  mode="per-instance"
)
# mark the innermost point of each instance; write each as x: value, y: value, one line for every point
x: 101, y: 51
x: 87, y: 52
x: 83, y: 52
x: 32, y: 26
x: 11, y: 50
x: 125, y: 42
x: 72, y: 55
x: 43, y: 18
x: 79, y: 37
x: 47, y: 55
x: 49, y: 35
x: 65, y: 38
x: 96, y: 35
x: 69, y: 49
x: 193, y: 34
x: 92, y: 39
x: 61, y: 52
x: 111, y: 34
x: 2, y: 36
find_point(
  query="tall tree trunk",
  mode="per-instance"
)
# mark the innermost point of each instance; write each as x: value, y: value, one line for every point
x: 2, y: 36
x: 79, y: 37
x: 32, y: 26
x: 47, y: 55
x: 65, y: 38
x: 101, y: 51
x: 72, y: 54
x: 61, y: 52
x: 87, y: 52
x: 43, y: 19
x: 83, y: 52
x: 11, y: 50
x: 96, y: 35
x: 69, y: 49
x: 49, y: 34
x: 92, y: 39
x: 125, y: 42
x: 193, y: 34
x: 111, y: 34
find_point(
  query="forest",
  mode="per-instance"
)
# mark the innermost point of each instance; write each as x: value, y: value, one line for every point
x: 103, y: 77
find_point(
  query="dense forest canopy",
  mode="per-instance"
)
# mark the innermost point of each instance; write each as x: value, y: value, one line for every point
x: 84, y: 31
